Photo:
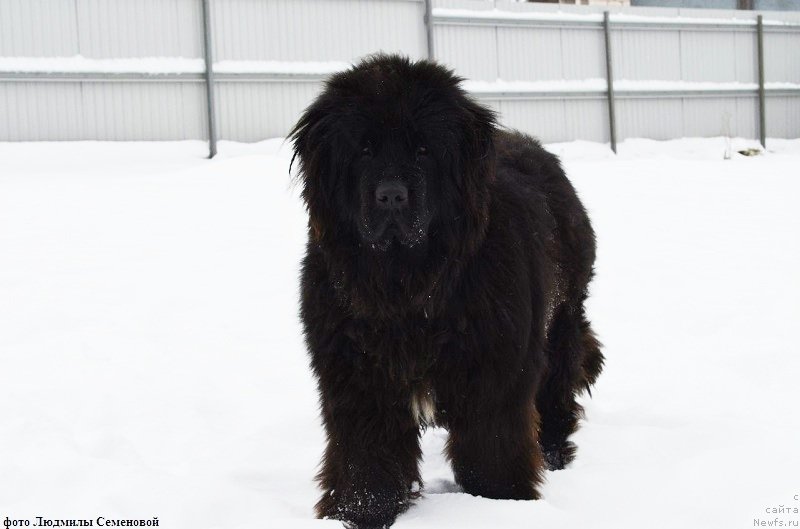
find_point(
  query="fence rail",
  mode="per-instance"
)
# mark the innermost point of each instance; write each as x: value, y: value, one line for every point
x: 678, y: 72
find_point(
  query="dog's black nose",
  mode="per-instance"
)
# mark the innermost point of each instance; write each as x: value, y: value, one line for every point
x: 391, y: 195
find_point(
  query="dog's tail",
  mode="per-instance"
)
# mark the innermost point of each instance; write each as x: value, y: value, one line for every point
x: 593, y: 358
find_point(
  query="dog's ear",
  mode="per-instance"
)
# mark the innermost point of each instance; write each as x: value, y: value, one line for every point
x: 308, y: 137
x: 313, y: 141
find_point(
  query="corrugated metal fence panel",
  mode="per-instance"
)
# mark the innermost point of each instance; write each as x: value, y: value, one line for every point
x: 646, y: 55
x: 659, y: 119
x: 100, y: 28
x: 529, y: 54
x: 254, y: 111
x: 101, y: 111
x: 331, y: 30
x: 700, y: 56
x: 144, y: 111
x: 782, y: 57
x: 40, y: 111
x: 783, y: 117
x: 745, y: 124
x: 542, y: 119
x: 38, y: 28
x: 745, y: 53
x: 556, y: 120
x: 586, y: 119
x: 718, y: 56
x: 343, y: 30
x: 710, y: 116
x: 667, y: 118
x: 140, y: 28
x: 583, y: 54
x: 470, y: 50
x: 519, y: 53
x: 534, y: 54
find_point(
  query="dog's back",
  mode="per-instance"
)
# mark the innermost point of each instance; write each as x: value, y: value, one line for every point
x: 530, y: 179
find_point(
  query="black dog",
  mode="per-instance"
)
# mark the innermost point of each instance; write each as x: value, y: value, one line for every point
x: 444, y: 281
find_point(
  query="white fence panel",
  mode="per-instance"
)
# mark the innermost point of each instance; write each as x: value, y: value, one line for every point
x: 144, y: 111
x: 700, y: 56
x: 251, y: 111
x: 783, y: 117
x: 40, y: 111
x: 661, y: 58
x: 646, y: 55
x: 472, y: 51
x: 745, y: 54
x: 782, y: 56
x: 316, y: 30
x: 711, y: 116
x: 659, y: 119
x: 38, y: 28
x: 53, y: 111
x: 583, y: 54
x: 543, y: 119
x: 529, y: 54
x: 585, y: 119
x: 140, y: 28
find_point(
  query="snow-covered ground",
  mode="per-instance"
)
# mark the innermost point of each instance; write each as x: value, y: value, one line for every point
x: 151, y: 363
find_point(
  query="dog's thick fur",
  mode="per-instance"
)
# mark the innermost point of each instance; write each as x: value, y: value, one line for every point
x: 471, y: 319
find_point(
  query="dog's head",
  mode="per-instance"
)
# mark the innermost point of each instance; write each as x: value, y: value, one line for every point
x: 392, y: 154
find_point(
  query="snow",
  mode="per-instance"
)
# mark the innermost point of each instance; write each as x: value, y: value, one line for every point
x: 500, y: 85
x: 626, y: 85
x: 714, y: 21
x: 162, y: 65
x: 283, y: 67
x: 152, y: 362
x: 561, y: 16
x: 166, y: 65
x: 499, y: 14
x: 80, y: 64
x: 620, y: 85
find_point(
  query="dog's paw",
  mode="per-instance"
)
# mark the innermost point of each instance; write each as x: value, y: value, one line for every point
x: 558, y: 458
x: 363, y: 509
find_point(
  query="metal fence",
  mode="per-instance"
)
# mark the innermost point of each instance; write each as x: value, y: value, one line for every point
x: 122, y: 70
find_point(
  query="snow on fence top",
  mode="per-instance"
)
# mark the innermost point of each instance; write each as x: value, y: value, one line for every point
x: 443, y: 14
x: 80, y: 64
x: 620, y: 85
x: 281, y: 67
x: 162, y: 65
x: 181, y: 65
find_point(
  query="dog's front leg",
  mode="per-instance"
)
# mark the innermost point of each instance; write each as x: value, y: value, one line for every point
x: 370, y: 464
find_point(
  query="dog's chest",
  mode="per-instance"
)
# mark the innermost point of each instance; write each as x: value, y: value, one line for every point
x: 404, y: 355
x: 423, y: 405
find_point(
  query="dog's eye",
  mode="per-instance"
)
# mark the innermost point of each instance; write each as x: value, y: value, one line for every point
x: 422, y: 150
x: 366, y: 151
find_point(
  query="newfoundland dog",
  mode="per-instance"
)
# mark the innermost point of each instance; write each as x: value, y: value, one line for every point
x: 444, y: 280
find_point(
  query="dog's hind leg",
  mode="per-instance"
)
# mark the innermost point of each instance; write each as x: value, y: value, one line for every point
x: 574, y: 363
